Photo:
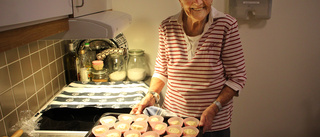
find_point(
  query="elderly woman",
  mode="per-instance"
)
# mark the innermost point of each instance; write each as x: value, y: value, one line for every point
x: 201, y: 60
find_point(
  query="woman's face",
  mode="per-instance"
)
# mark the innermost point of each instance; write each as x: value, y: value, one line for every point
x: 197, y: 10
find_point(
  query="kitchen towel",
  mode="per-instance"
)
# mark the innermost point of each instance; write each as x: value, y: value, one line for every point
x: 153, y: 110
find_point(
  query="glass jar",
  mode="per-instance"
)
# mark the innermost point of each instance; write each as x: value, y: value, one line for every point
x: 100, y: 75
x: 137, y: 65
x: 117, y: 67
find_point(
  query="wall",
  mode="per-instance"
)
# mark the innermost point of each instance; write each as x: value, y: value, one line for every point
x: 147, y: 16
x: 283, y: 62
x: 281, y: 97
x: 30, y: 76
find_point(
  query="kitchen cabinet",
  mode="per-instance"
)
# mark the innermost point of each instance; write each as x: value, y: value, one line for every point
x: 23, y: 22
x: 85, y: 7
x: 17, y: 13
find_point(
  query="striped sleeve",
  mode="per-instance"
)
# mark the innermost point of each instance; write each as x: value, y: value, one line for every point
x: 161, y: 60
x: 233, y: 58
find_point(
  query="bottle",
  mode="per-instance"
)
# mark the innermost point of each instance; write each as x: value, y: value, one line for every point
x: 71, y: 64
x: 87, y: 55
x: 117, y: 67
x: 137, y: 65
x: 90, y: 53
x: 84, y: 66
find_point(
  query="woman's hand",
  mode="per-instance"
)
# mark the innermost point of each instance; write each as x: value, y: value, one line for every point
x: 207, y: 117
x: 156, y: 85
x: 148, y: 100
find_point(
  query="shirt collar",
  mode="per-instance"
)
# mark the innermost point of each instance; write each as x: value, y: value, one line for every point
x: 212, y: 15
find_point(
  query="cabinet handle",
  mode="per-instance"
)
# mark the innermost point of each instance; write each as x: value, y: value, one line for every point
x: 82, y: 3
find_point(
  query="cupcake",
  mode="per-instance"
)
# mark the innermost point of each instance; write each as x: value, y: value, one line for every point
x: 150, y: 134
x: 141, y: 117
x: 140, y: 126
x: 159, y: 127
x: 122, y: 126
x: 171, y: 135
x: 155, y: 118
x: 108, y: 121
x: 100, y: 130
x: 191, y: 121
x: 97, y: 64
x: 113, y: 133
x: 126, y: 117
x: 175, y: 121
x: 174, y: 129
x: 190, y: 131
x: 132, y: 133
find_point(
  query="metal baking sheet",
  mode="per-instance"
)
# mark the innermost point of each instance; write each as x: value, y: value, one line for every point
x: 90, y: 134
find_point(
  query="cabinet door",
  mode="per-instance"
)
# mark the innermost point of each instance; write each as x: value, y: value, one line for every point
x: 85, y: 7
x: 14, y: 12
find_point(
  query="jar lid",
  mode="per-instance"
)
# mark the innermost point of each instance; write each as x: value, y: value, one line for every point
x: 136, y: 52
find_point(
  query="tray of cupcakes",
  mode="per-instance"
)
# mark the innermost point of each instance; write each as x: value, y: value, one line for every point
x: 127, y: 125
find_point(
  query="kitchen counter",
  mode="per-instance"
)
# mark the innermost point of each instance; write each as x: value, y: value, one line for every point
x: 80, y: 105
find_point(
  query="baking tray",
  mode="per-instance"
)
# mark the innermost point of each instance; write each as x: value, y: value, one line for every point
x: 90, y: 134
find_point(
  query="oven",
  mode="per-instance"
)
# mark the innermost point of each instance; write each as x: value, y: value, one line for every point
x: 78, y: 106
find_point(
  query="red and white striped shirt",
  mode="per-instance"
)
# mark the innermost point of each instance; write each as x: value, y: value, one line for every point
x: 194, y: 83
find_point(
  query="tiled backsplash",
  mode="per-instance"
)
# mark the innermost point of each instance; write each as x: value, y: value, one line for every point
x: 30, y: 76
